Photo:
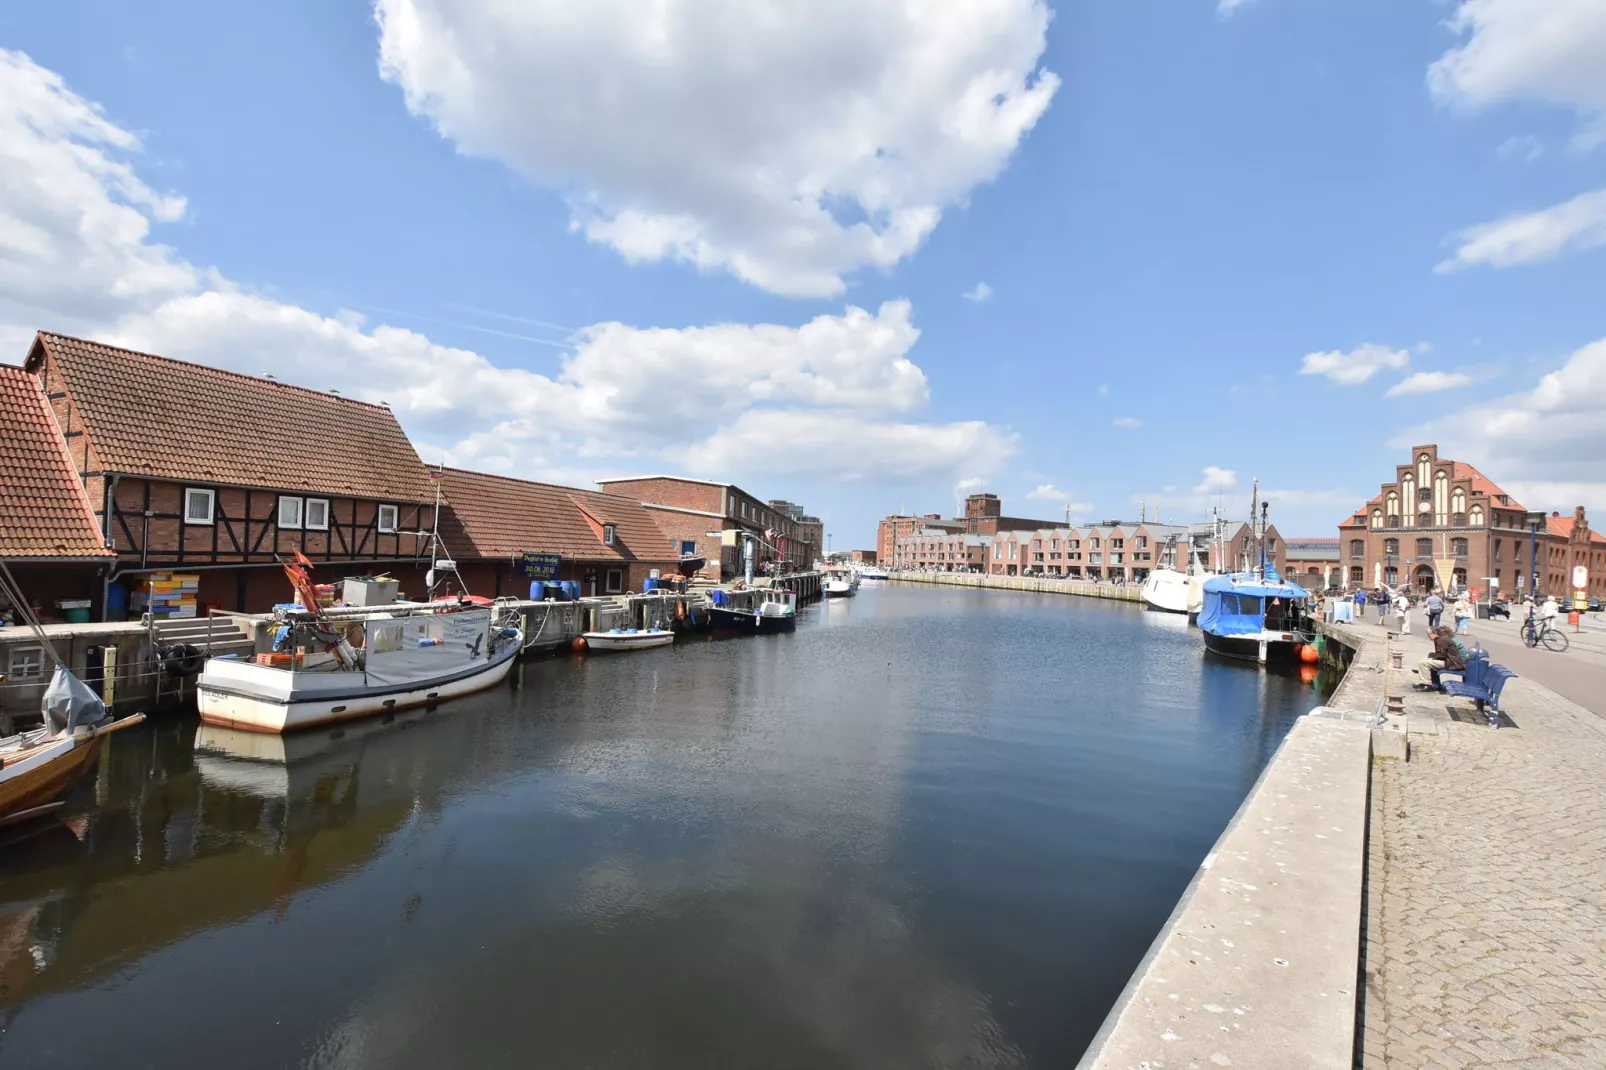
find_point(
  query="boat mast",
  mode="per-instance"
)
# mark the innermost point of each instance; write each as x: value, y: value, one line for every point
x: 1255, y: 530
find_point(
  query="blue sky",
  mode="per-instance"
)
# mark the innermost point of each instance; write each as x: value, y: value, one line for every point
x: 565, y: 244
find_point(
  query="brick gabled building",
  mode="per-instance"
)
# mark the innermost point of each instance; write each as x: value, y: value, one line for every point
x: 1438, y: 510
x: 191, y: 468
x: 608, y: 542
x: 49, y: 537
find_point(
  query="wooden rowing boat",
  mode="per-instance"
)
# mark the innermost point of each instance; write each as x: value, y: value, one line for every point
x: 40, y: 771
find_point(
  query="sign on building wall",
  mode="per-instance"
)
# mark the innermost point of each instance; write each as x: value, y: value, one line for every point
x: 540, y: 566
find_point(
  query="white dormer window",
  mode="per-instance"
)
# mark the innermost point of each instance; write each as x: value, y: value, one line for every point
x: 608, y: 531
x: 389, y: 519
x: 289, y: 512
x: 198, y: 505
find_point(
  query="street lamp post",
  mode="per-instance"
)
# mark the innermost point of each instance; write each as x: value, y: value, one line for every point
x: 1534, y: 521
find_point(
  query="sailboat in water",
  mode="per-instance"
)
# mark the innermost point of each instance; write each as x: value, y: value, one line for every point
x: 40, y: 768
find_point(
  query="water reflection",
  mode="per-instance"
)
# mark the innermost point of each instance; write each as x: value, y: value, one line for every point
x: 930, y: 828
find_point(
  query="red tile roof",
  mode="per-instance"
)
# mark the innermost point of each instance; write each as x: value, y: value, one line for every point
x: 42, y: 502
x: 1562, y: 527
x: 154, y: 416
x: 496, y: 516
x: 1482, y: 484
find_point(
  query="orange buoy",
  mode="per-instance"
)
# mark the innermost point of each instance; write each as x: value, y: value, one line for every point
x: 1308, y: 654
x: 578, y: 644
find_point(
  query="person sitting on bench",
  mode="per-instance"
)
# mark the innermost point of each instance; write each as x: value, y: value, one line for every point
x: 1445, y: 656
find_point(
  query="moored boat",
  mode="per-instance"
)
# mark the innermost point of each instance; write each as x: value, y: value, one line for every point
x: 1254, y: 615
x: 1166, y: 589
x: 39, y: 769
x: 617, y: 639
x: 776, y: 613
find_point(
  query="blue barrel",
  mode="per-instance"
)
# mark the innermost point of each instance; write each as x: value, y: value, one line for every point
x: 571, y: 590
x: 537, y: 590
x: 648, y: 584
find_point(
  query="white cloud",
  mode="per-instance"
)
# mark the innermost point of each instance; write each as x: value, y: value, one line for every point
x: 1542, y: 51
x: 1531, y: 236
x: 830, y: 395
x: 1356, y: 366
x: 1131, y: 423
x: 1548, y: 440
x: 1104, y: 390
x: 789, y: 144
x: 1524, y: 147
x: 1224, y: 8
x: 853, y: 449
x: 1216, y: 480
x: 1428, y: 383
x: 978, y: 293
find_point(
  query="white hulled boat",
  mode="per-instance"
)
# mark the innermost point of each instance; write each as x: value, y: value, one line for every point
x: 342, y: 667
x: 618, y: 639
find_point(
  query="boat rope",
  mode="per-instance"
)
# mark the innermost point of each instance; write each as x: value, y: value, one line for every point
x: 13, y: 594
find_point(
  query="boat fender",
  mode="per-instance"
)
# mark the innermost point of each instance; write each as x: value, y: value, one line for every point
x: 182, y: 660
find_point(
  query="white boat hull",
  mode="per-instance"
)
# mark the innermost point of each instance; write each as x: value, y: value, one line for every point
x: 1166, y: 591
x: 605, y: 642
x: 837, y: 589
x: 256, y: 698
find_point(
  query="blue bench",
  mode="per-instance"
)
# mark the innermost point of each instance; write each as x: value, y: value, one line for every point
x: 1483, y: 682
x: 1477, y: 662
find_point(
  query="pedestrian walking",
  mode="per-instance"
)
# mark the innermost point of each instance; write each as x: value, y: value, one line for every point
x: 1462, y: 615
x: 1383, y: 600
x: 1435, y: 607
x: 1360, y: 602
x: 1402, y: 605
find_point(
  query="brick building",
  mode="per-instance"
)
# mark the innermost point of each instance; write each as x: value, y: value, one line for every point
x: 1314, y: 564
x: 1112, y: 550
x: 687, y: 510
x: 607, y: 542
x: 195, y: 469
x: 49, y: 536
x: 983, y: 516
x: 1444, y: 523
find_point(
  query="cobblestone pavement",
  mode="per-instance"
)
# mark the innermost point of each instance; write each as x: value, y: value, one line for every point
x: 1486, y: 927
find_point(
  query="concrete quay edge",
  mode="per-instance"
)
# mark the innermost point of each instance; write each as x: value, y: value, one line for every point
x: 1258, y: 964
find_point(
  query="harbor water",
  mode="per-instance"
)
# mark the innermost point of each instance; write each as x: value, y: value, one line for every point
x: 933, y: 827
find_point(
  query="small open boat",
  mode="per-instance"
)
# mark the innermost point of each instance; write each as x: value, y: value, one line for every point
x: 617, y: 639
x: 39, y: 769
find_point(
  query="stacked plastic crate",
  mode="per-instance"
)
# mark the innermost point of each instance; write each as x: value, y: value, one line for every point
x: 172, y: 594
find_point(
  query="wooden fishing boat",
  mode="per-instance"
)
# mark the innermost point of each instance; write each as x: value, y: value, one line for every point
x: 39, y: 770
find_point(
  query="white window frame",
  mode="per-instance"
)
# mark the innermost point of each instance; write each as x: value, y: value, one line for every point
x: 300, y: 507
x: 27, y: 663
x: 306, y: 514
x: 395, y: 519
x: 211, y: 506
x: 610, y: 534
x: 614, y: 581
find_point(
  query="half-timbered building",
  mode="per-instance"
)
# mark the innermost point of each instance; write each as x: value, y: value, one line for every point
x: 193, y: 469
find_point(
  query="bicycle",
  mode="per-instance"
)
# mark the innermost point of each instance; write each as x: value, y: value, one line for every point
x: 1532, y: 635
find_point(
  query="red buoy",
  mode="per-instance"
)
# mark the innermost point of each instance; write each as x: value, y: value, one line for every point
x: 578, y: 644
x: 1308, y: 654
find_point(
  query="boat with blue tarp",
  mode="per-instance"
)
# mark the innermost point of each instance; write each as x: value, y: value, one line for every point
x: 1255, y: 615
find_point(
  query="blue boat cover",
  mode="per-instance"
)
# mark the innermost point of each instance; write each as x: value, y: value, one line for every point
x: 1236, y: 605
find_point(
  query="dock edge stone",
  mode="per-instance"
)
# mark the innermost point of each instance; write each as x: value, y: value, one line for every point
x: 1257, y: 965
